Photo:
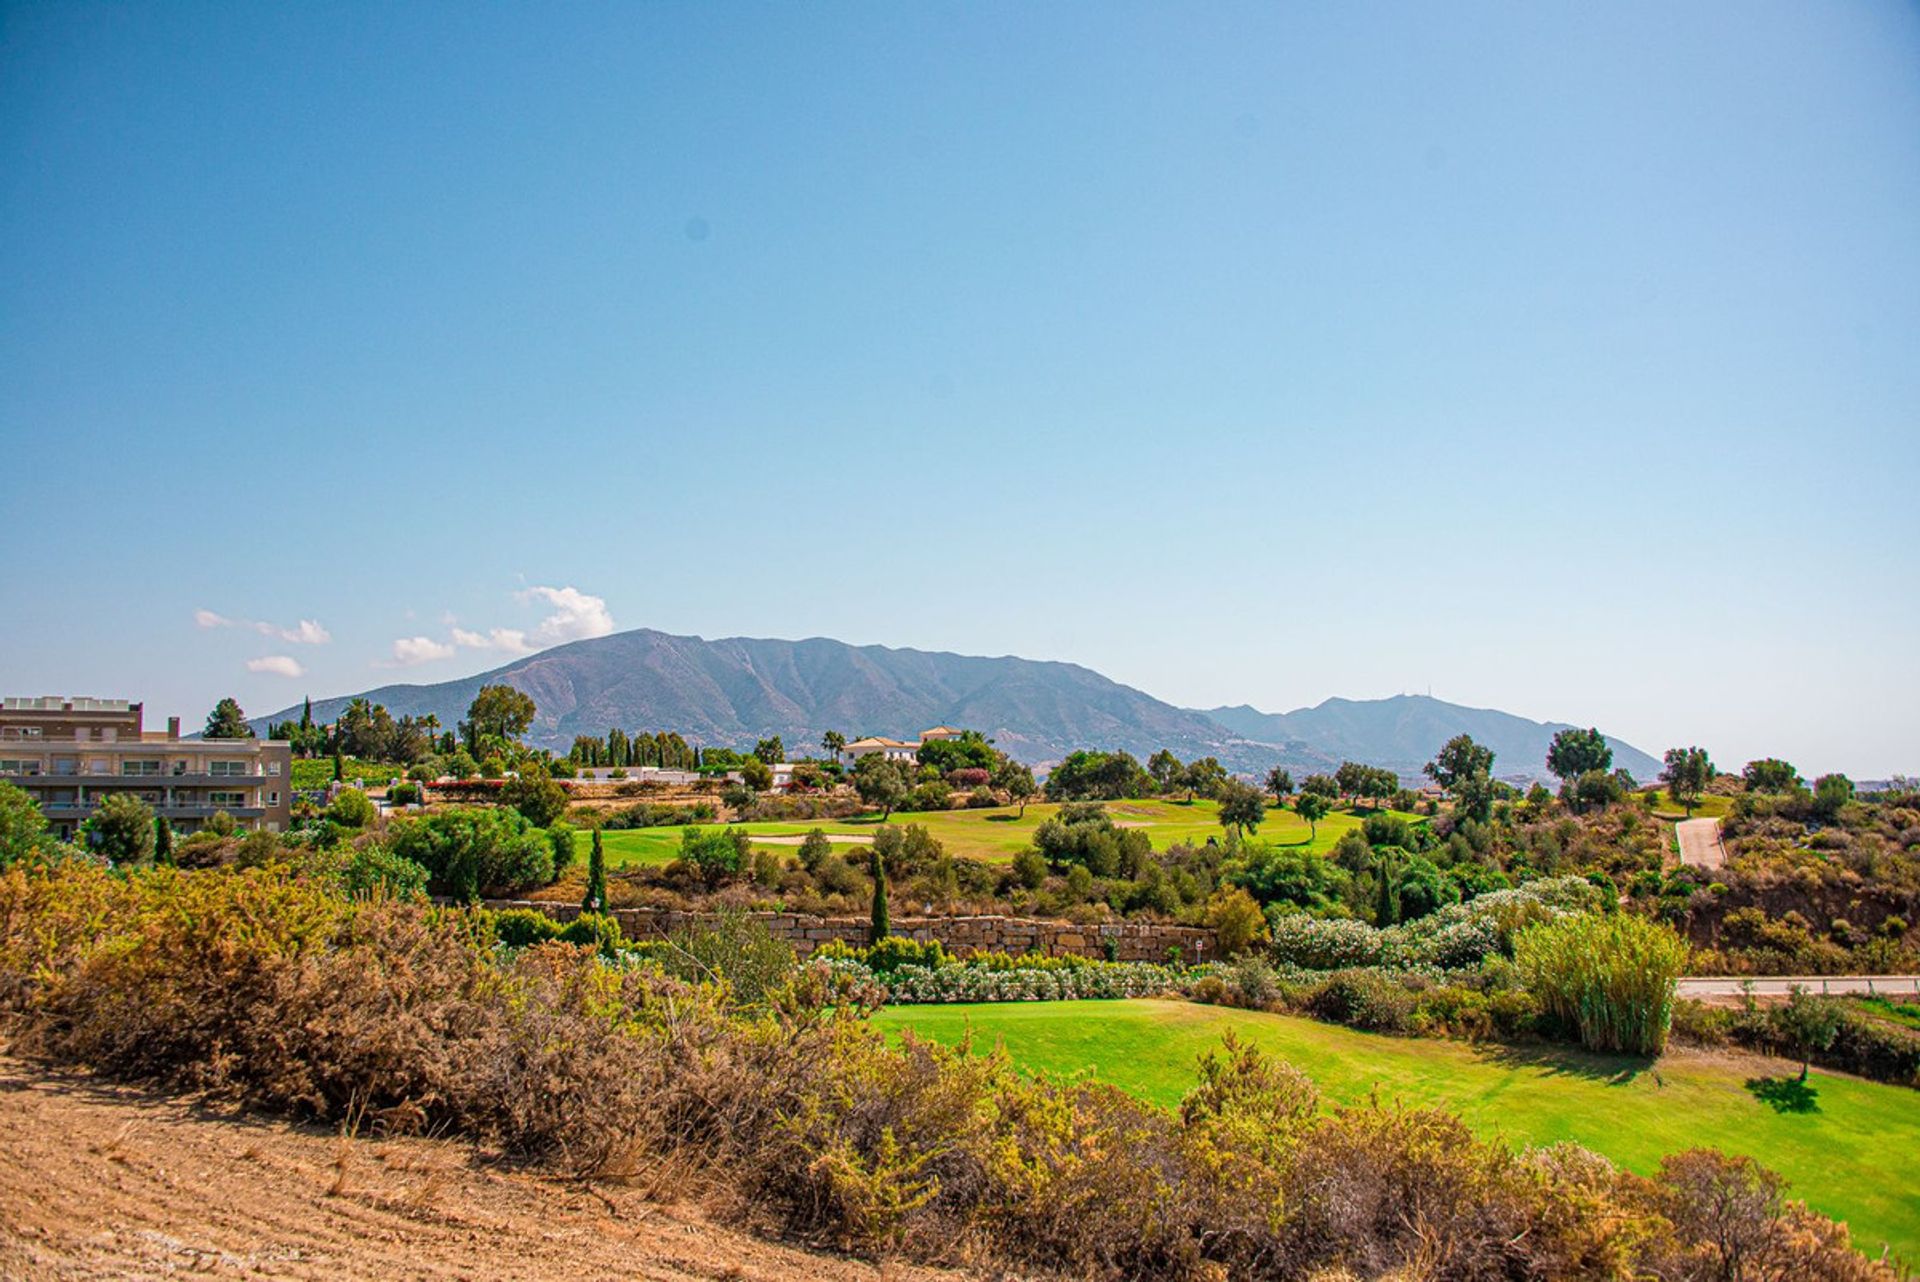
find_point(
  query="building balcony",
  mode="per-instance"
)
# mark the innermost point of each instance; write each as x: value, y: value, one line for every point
x: 199, y: 811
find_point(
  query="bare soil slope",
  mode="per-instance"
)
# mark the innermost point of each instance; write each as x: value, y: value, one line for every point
x: 103, y: 1181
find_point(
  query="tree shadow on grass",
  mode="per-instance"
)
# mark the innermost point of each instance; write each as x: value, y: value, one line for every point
x: 1568, y: 1061
x: 1002, y: 819
x: 1785, y: 1094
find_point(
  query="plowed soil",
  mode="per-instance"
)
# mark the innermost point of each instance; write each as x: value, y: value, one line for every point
x: 105, y: 1181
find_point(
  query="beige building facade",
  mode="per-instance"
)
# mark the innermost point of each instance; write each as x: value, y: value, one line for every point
x: 70, y: 754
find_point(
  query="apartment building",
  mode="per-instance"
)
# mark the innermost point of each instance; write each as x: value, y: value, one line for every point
x: 70, y: 754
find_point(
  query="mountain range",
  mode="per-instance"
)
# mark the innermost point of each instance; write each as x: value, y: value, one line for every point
x: 736, y: 690
x: 1403, y: 732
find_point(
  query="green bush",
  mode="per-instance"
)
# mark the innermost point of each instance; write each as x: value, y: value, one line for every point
x: 121, y: 829
x: 718, y: 854
x: 560, y: 836
x: 1363, y: 999
x: 1610, y: 978
x: 523, y: 927
x: 471, y: 851
x: 594, y: 930
x: 888, y: 954
x: 932, y: 795
x: 352, y: 808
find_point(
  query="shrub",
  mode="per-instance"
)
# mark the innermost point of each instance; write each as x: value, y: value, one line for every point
x: 470, y: 851
x: 535, y: 794
x: 931, y: 795
x: 1610, y: 978
x: 814, y: 849
x: 593, y: 930
x: 121, y: 829
x: 1316, y: 943
x: 888, y: 954
x: 22, y: 826
x: 1235, y: 918
x: 1363, y: 999
x: 718, y: 854
x: 1083, y: 833
x: 560, y: 837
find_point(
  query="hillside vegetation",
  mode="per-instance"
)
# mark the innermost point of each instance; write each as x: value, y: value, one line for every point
x: 271, y: 986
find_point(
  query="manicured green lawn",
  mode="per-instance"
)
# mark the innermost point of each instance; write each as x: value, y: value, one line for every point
x: 1710, y: 806
x: 1855, y: 1157
x: 318, y: 772
x: 1001, y: 833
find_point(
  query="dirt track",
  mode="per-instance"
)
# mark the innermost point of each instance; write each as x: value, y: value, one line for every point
x: 1700, y: 843
x: 99, y: 1181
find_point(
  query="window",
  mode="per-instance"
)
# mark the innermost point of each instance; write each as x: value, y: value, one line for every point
x: 227, y: 769
x: 13, y: 766
x: 224, y: 800
x: 273, y: 768
x: 273, y: 799
x: 140, y: 767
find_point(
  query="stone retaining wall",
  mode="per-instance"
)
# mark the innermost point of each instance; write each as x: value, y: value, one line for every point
x: 1133, y: 941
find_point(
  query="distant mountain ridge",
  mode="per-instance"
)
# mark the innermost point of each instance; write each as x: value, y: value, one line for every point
x: 732, y: 691
x: 736, y: 690
x: 1404, y: 731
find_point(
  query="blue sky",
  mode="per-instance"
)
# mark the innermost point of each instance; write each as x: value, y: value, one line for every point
x: 1564, y: 359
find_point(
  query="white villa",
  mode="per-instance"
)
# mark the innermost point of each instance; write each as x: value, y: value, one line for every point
x: 895, y: 749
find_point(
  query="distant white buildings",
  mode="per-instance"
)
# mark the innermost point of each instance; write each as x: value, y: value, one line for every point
x: 894, y: 749
x: 637, y: 774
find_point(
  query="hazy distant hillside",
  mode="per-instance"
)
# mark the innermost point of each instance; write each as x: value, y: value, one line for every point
x: 733, y: 691
x: 1405, y: 731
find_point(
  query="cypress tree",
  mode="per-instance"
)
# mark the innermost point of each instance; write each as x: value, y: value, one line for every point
x: 881, y: 926
x: 339, y: 767
x: 596, y: 897
x: 1386, y: 912
x: 162, y: 840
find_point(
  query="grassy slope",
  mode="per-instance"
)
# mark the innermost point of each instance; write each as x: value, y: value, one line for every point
x: 1857, y: 1158
x: 1710, y: 806
x: 1000, y: 833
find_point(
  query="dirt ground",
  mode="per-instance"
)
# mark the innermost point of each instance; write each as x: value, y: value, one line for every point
x: 105, y: 1181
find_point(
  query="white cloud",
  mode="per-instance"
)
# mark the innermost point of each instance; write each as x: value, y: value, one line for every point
x: 576, y: 616
x: 280, y: 665
x: 408, y: 651
x: 508, y: 640
x: 305, y: 632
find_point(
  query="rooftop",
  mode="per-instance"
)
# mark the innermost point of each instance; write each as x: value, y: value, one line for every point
x: 60, y: 703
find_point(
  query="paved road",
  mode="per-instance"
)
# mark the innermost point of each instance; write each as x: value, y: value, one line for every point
x: 1700, y: 843
x: 1780, y: 986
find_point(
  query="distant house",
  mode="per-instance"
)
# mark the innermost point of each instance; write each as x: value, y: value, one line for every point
x: 637, y: 774
x: 891, y: 749
x: 895, y: 749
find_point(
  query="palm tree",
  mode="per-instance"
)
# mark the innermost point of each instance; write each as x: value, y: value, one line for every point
x: 833, y: 741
